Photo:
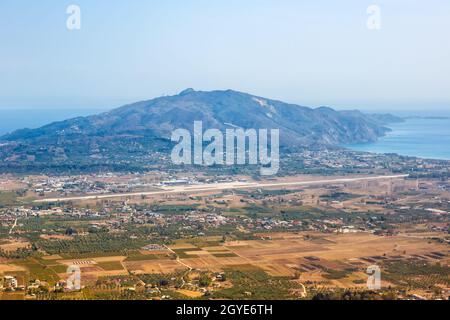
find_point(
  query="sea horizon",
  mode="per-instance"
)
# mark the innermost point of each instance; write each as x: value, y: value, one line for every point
x: 423, y: 134
x: 32, y: 118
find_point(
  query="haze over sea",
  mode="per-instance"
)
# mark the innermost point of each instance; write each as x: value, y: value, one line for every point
x: 419, y: 137
x: 425, y: 137
x: 14, y: 119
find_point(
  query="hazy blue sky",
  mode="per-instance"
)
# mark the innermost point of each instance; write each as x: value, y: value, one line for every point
x: 308, y: 52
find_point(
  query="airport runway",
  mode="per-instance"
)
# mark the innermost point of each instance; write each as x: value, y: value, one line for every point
x: 221, y: 186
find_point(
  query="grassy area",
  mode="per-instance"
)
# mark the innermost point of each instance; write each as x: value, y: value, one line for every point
x: 338, y: 196
x: 110, y: 265
x: 254, y: 210
x: 338, y: 274
x: 182, y: 253
x: 205, y: 242
x: 7, y: 198
x: 138, y: 256
x: 90, y: 255
x: 250, y: 282
x: 59, y: 268
x: 39, y: 271
x: 224, y: 254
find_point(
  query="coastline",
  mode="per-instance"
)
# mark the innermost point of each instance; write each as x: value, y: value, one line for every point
x: 421, y: 137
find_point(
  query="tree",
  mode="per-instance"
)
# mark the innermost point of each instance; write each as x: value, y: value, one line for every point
x: 204, y: 280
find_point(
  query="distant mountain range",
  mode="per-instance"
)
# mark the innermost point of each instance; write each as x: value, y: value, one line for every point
x: 142, y: 128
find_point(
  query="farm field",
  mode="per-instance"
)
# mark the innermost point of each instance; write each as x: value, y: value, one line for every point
x: 289, y: 253
x: 283, y: 255
x: 307, y: 240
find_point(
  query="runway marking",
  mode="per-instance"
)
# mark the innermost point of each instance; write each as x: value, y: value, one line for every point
x: 223, y: 186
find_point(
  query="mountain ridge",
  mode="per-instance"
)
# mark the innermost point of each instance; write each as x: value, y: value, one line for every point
x: 146, y: 126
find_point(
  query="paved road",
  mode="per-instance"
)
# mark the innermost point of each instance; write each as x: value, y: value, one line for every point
x: 182, y: 263
x: 13, y: 226
x: 223, y: 186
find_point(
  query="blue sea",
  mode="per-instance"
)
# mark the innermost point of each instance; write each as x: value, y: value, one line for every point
x: 419, y: 137
x: 14, y: 119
